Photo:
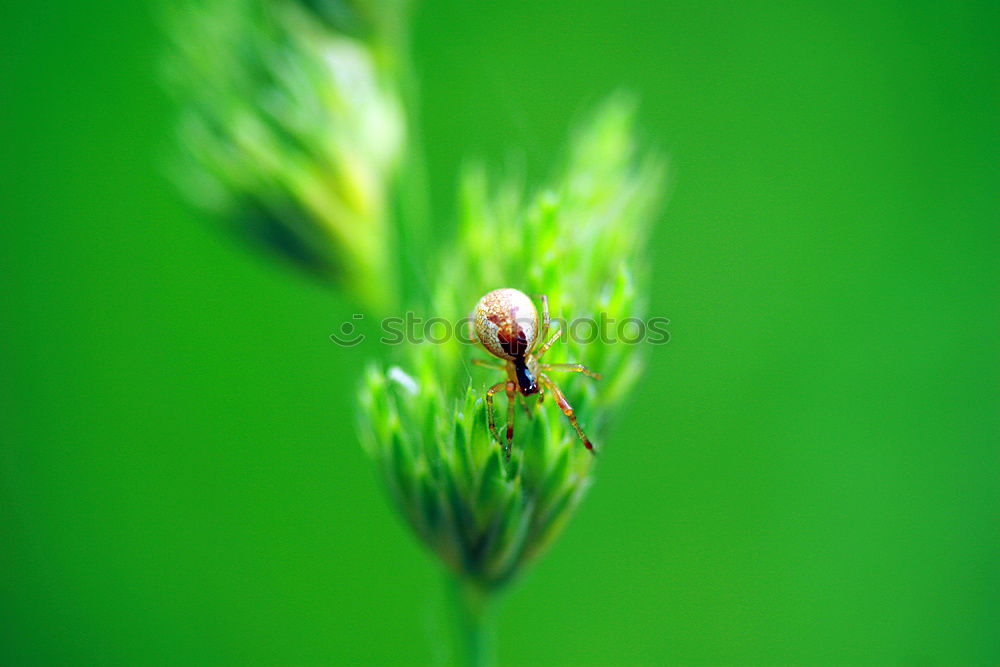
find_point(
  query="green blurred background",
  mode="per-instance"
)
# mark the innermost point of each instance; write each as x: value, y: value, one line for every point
x: 809, y: 475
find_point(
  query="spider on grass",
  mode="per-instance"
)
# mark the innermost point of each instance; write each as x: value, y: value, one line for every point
x: 506, y: 324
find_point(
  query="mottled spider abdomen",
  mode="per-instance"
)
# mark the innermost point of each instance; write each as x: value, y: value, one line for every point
x: 506, y: 323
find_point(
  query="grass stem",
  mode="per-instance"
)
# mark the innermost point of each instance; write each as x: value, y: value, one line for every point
x: 473, y: 624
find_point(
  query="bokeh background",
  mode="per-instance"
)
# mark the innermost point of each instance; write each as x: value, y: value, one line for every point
x: 809, y: 475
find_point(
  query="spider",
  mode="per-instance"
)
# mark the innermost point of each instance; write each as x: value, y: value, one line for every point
x: 506, y: 324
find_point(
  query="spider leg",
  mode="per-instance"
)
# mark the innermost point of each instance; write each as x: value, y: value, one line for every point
x: 545, y: 348
x: 573, y: 368
x: 489, y: 364
x: 567, y: 409
x: 524, y: 404
x: 545, y: 318
x: 489, y: 409
x: 511, y: 400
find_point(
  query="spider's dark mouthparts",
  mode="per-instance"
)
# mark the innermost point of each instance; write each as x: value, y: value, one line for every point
x: 525, y: 380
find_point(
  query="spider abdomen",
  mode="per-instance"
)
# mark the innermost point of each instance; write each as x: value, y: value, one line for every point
x: 506, y: 323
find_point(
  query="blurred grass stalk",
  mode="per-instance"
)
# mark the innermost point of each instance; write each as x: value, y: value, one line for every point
x: 297, y: 127
x: 294, y: 130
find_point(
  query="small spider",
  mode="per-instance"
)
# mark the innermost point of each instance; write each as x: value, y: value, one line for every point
x: 506, y: 323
